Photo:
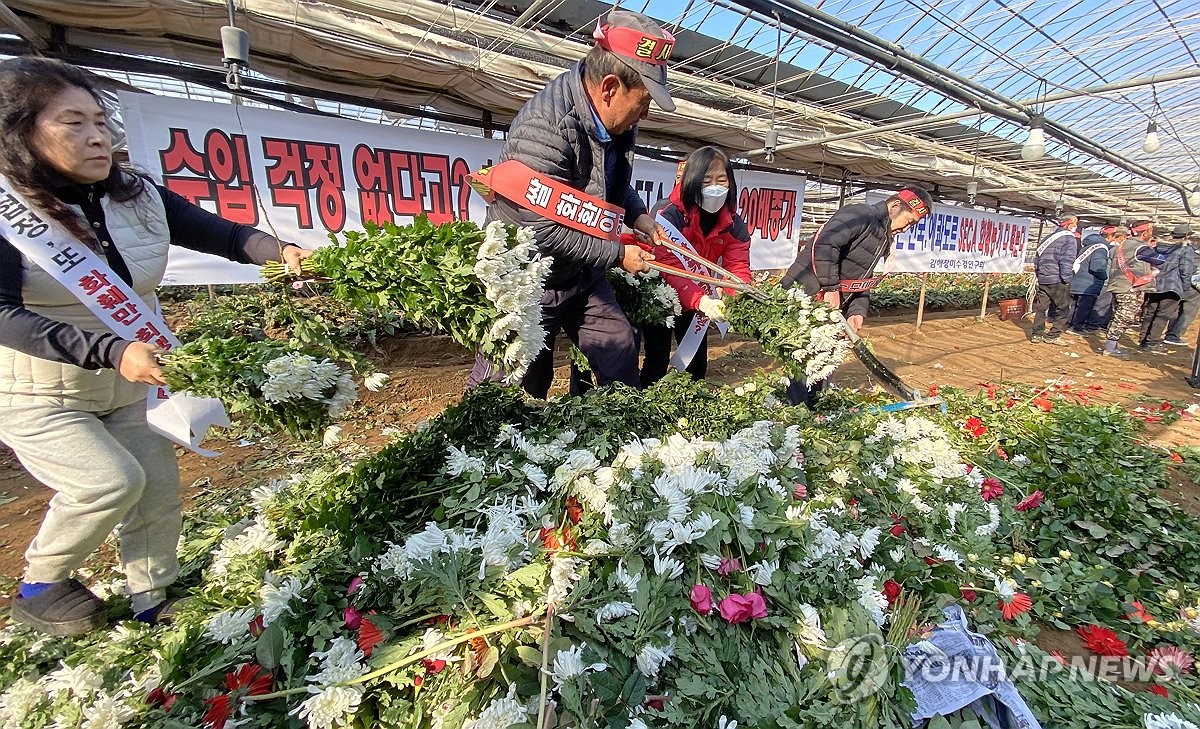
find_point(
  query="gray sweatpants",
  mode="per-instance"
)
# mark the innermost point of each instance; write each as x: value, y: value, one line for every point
x: 108, y: 470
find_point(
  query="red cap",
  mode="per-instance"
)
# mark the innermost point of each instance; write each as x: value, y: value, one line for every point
x: 914, y: 202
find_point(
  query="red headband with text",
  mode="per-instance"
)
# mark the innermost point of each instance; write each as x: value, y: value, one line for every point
x: 913, y: 201
x: 635, y: 44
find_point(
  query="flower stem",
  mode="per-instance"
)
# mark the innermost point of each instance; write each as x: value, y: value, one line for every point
x: 541, y: 720
x: 519, y: 623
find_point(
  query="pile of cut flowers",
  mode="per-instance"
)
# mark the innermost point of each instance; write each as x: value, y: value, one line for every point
x: 679, y: 556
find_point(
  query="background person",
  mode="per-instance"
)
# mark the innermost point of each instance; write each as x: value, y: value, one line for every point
x: 72, y: 392
x: 581, y: 130
x: 1053, y: 268
x: 703, y: 207
x: 1189, y: 304
x: 1176, y: 264
x: 838, y: 265
x: 1128, y: 277
x: 1090, y: 272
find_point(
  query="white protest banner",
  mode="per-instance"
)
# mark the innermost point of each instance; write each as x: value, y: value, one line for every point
x: 959, y: 240
x: 318, y: 175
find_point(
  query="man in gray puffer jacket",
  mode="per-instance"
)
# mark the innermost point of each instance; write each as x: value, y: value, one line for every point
x: 581, y: 130
x: 1053, y: 268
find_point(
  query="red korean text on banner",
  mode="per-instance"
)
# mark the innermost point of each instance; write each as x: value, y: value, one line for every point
x: 297, y: 169
x: 548, y: 197
x: 220, y: 174
x: 769, y: 212
x: 395, y: 183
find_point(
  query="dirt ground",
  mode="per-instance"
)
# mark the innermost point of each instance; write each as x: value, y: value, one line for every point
x: 430, y: 372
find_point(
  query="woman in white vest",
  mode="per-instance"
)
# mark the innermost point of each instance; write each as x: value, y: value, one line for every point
x: 72, y: 392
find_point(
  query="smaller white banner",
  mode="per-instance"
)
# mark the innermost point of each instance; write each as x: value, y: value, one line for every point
x: 954, y: 239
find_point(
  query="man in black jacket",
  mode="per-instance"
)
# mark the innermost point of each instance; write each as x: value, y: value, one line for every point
x: 581, y: 130
x: 838, y: 266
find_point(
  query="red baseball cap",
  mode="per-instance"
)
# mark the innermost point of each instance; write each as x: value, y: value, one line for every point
x: 642, y: 45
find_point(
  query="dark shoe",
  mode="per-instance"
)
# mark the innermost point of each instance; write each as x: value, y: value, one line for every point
x: 1154, y: 349
x: 163, y: 613
x: 1176, y: 341
x: 64, y: 608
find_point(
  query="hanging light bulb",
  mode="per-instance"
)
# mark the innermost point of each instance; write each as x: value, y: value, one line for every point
x: 1035, y: 144
x: 769, y: 141
x: 1151, y: 144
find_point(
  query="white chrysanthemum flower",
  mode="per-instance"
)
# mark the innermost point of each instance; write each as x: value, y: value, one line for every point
x: 332, y: 706
x: 622, y: 579
x: 669, y: 566
x: 746, y: 516
x: 536, y: 476
x: 762, y: 572
x: 501, y: 713
x: 106, y: 712
x: 229, y: 626
x: 871, y: 599
x: 897, y: 554
x: 987, y: 530
x: 840, y: 476
x: 615, y: 611
x: 1167, y: 721
x: 458, y: 462
x: 621, y: 535
x: 810, y: 631
x: 564, y: 574
x: 276, y: 597
x: 1019, y: 460
x: 79, y: 680
x: 651, y: 659
x: 18, y: 700
x: 726, y: 723
x: 869, y: 542
x: 375, y: 381
x: 1006, y: 588
x: 568, y: 664
x: 710, y: 561
x: 265, y: 493
x: 635, y: 722
x: 332, y: 436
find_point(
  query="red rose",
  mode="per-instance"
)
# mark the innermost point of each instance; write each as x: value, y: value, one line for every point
x: 967, y: 593
x: 701, y: 599
x: 891, y: 590
x: 351, y: 617
x: 256, y: 626
x: 574, y: 510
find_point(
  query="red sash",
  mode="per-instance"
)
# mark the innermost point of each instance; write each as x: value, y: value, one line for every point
x: 550, y: 198
x: 1123, y: 265
x: 858, y: 285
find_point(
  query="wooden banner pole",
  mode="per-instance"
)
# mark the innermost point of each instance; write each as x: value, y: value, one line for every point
x: 921, y: 302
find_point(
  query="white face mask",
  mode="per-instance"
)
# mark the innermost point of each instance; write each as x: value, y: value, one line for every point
x: 712, y: 198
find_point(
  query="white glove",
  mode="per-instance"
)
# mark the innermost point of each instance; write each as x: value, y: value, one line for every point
x: 713, y: 308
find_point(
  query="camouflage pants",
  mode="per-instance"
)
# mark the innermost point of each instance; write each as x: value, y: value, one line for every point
x: 1127, y: 308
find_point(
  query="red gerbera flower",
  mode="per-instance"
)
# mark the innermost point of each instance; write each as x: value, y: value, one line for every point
x: 933, y: 391
x: 218, y: 711
x: 1160, y: 690
x: 1102, y: 641
x: 974, y: 427
x: 1031, y: 501
x: 433, y: 666
x: 368, y: 637
x: 1166, y: 405
x: 248, y: 679
x: 991, y: 489
x: 1043, y: 404
x: 574, y: 510
x: 1139, y: 612
x: 1019, y: 605
x: 1000, y: 452
x: 1176, y: 457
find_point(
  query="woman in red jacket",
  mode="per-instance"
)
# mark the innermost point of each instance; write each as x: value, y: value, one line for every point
x: 703, y: 209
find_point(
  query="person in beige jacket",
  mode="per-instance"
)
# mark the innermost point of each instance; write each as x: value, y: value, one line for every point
x: 73, y: 392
